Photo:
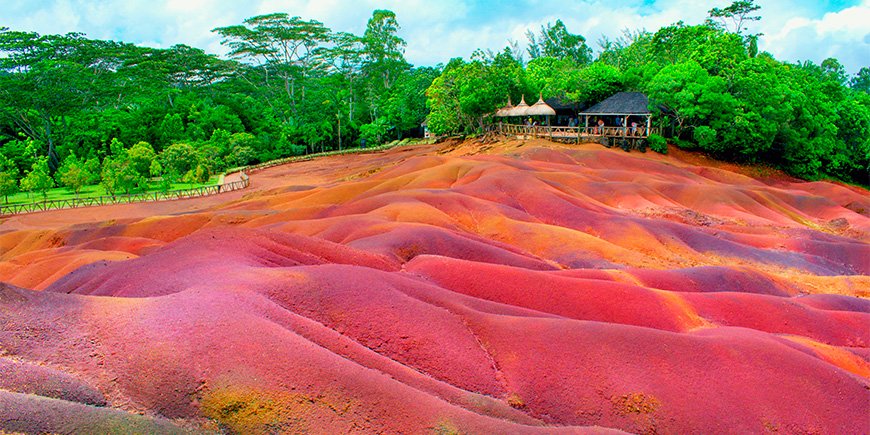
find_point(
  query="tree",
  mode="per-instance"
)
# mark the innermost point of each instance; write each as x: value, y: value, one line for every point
x: 38, y: 178
x: 280, y: 46
x: 630, y: 50
x: 8, y: 177
x: 171, y: 129
x: 73, y: 174
x: 693, y: 98
x: 141, y: 155
x: 599, y: 81
x: 92, y: 168
x: 736, y: 15
x: 374, y: 132
x: 461, y: 97
x: 834, y: 70
x: 554, y: 77
x: 178, y: 159
x: 383, y: 59
x: 861, y: 81
x: 555, y: 41
x: 119, y: 174
x: 384, y: 49
x: 717, y: 51
x: 405, y: 108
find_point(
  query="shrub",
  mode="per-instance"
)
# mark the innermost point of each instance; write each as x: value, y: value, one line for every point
x: 705, y: 137
x: 658, y: 143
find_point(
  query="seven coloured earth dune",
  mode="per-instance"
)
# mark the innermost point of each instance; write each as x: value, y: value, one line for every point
x: 515, y: 287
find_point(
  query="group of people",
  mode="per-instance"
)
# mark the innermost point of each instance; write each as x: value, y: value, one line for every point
x: 632, y: 129
x: 598, y: 126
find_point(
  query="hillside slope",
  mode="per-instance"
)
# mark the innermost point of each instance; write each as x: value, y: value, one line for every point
x: 515, y: 287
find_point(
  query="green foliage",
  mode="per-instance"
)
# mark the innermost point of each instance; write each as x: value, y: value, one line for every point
x: 8, y: 177
x: 171, y: 128
x: 374, y: 132
x: 693, y: 96
x: 658, y: 143
x: 73, y: 174
x: 178, y: 159
x: 141, y: 156
x: 705, y: 137
x: 465, y: 93
x: 553, y: 77
x: 736, y: 15
x: 38, y: 179
x: 555, y: 41
x: 405, y: 107
x: 861, y: 81
x: 599, y: 81
x: 119, y: 175
x: 156, y: 169
x: 92, y: 169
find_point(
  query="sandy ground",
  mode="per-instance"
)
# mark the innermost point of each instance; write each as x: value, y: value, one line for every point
x: 462, y: 287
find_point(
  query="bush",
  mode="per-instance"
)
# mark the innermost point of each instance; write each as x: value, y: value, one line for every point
x: 705, y: 137
x: 658, y: 144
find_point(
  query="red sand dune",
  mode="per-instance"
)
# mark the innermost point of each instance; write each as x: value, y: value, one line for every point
x: 456, y: 288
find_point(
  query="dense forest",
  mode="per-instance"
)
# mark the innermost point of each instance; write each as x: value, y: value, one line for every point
x: 77, y: 111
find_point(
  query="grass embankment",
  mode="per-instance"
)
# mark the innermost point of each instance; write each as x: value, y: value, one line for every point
x: 61, y: 193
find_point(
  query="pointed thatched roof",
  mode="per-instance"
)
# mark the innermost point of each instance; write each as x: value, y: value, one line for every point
x: 540, y: 108
x: 506, y: 110
x: 519, y: 109
x: 621, y: 103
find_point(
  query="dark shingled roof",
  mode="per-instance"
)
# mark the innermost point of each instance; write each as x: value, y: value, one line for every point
x: 559, y: 104
x: 621, y: 103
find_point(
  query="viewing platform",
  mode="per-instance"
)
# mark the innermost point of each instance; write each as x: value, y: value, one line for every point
x: 623, y: 137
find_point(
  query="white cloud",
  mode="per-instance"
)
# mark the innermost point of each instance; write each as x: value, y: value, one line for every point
x: 843, y: 34
x: 439, y: 30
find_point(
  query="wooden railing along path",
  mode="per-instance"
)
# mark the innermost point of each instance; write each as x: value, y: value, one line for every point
x: 577, y: 133
x: 59, y: 204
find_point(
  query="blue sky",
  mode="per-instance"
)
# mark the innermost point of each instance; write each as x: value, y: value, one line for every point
x: 437, y: 30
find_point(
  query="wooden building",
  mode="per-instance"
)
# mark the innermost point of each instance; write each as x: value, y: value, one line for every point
x: 620, y: 110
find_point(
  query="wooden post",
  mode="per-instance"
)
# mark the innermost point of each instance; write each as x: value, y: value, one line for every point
x: 585, y: 127
x: 648, y: 122
x: 549, y: 127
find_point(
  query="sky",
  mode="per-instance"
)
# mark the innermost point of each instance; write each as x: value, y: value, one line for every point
x: 438, y: 30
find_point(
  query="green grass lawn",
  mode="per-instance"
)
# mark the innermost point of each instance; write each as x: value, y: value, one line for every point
x: 94, y: 191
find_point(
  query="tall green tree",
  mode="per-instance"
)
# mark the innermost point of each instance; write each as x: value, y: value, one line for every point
x: 736, y: 16
x: 556, y: 41
x: 73, y: 174
x: 282, y: 48
x: 8, y: 178
x: 861, y: 80
x: 141, y: 155
x: 38, y: 178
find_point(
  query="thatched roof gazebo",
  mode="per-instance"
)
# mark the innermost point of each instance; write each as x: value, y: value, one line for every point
x: 520, y: 109
x: 506, y: 110
x: 541, y: 109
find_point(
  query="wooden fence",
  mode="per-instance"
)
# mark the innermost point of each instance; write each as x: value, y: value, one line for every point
x: 58, y: 204
x: 592, y: 134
